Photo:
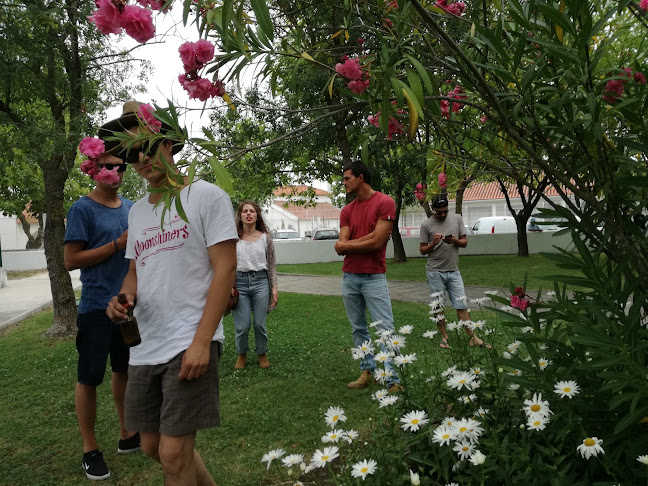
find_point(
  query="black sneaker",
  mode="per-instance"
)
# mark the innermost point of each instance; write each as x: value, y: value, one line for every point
x: 94, y: 465
x: 131, y: 444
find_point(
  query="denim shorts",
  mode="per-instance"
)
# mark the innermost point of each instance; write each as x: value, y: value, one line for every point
x: 97, y: 337
x: 157, y: 401
x: 439, y: 282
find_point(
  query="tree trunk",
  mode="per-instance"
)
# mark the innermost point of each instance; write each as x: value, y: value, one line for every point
x: 523, y: 242
x: 65, y: 311
x: 460, y: 193
x: 397, y: 241
x: 33, y: 241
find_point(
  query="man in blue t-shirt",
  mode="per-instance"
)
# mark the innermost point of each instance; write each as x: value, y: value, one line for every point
x: 95, y: 239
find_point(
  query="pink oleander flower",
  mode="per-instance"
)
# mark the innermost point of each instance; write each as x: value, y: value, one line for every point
x: 107, y: 176
x: 106, y: 17
x: 456, y: 8
x: 89, y: 167
x: 138, y: 23
x: 483, y: 118
x: 204, y: 51
x: 92, y: 147
x: 358, y: 86
x: 614, y: 90
x: 145, y: 113
x: 154, y: 4
x: 391, y: 4
x: 519, y: 303
x: 419, y: 192
x: 374, y: 119
x: 445, y: 108
x: 188, y: 56
x: 519, y: 291
x: 393, y: 127
x: 643, y: 5
x: 639, y: 77
x: 387, y: 23
x: 443, y: 180
x: 201, y: 88
x: 350, y: 69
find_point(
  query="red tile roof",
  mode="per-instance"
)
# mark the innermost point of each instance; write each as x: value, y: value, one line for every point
x: 481, y: 191
x: 321, y: 210
x: 297, y: 191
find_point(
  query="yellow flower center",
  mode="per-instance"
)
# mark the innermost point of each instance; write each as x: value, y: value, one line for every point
x: 536, y: 423
x: 364, y: 469
x: 463, y: 429
x: 566, y: 389
x: 477, y: 372
x: 542, y: 363
x: 535, y: 407
x: 335, y: 417
x: 462, y: 381
x: 446, y: 436
x: 464, y: 448
x: 589, y: 442
x: 415, y: 421
x: 334, y: 436
x: 325, y: 458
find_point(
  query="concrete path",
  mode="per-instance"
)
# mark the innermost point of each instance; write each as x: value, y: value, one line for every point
x: 25, y: 297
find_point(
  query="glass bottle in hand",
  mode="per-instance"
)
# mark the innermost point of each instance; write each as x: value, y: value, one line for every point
x: 128, y: 326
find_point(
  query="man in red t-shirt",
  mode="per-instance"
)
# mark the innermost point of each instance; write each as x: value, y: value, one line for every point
x: 365, y: 227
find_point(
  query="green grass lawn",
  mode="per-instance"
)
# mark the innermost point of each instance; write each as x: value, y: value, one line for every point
x: 260, y: 409
x: 479, y: 270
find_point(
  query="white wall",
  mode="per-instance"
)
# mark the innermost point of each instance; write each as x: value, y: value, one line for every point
x: 12, y: 236
x: 23, y: 259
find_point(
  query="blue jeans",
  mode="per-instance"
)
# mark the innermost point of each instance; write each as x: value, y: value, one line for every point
x: 254, y: 294
x: 362, y: 291
x: 450, y: 281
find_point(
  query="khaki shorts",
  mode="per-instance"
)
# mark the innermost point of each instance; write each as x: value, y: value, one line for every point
x: 157, y: 401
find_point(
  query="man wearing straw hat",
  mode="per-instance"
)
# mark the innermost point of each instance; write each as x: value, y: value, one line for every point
x: 179, y: 280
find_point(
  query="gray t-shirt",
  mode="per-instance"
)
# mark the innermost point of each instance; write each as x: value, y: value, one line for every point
x: 444, y: 257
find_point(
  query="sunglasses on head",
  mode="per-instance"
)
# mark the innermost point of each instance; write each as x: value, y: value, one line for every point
x: 132, y: 155
x: 120, y: 167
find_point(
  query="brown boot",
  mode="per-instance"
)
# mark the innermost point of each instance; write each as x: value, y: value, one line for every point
x: 240, y: 362
x: 366, y: 379
x: 263, y: 361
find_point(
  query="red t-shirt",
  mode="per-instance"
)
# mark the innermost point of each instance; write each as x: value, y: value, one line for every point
x: 361, y: 218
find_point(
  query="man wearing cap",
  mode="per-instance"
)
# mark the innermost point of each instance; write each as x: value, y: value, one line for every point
x: 95, y: 240
x: 179, y: 280
x: 365, y: 228
x: 442, y: 234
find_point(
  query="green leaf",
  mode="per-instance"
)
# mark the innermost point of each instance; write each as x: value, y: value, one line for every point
x: 262, y: 14
x: 424, y: 76
x: 221, y: 175
x: 415, y: 83
x: 179, y: 208
x: 412, y: 97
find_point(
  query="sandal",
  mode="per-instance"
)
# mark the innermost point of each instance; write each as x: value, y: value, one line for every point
x: 444, y: 344
x: 482, y: 344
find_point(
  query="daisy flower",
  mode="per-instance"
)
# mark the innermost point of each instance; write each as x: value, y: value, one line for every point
x: 464, y: 449
x: 482, y: 412
x: 449, y: 421
x: 506, y: 355
x: 414, y: 420
x: 382, y: 357
x: 591, y: 447
x: 375, y: 323
x: 460, y: 380
x: 333, y: 436
x: 406, y: 329
x: 566, y: 389
x: 477, y: 459
x: 467, y: 398
x: 452, y: 484
x: 385, y: 333
x: 543, y: 363
x: 514, y: 387
x: 351, y: 435
x: 430, y: 334
x: 414, y: 478
x: 364, y: 349
x: 479, y: 300
x: 537, y: 405
x: 387, y: 401
x: 537, y: 421
x: 334, y: 415
x: 551, y: 293
x: 475, y: 325
x: 363, y: 468
x: 321, y: 458
x: 382, y: 375
x: 490, y: 292
x: 272, y: 455
x: 449, y: 371
x: 489, y: 331
x: 527, y: 330
x: 468, y: 429
x: 463, y: 323
x: 643, y: 459
x: 380, y: 394
x: 513, y: 347
x: 477, y: 371
x: 436, y: 295
x: 404, y: 359
x: 436, y: 318
x: 443, y: 434
x: 293, y: 460
x: 515, y: 373
x: 396, y: 342
x: 452, y: 326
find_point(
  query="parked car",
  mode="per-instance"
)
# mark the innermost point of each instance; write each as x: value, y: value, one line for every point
x: 494, y: 224
x: 410, y: 231
x: 326, y: 234
x: 286, y: 235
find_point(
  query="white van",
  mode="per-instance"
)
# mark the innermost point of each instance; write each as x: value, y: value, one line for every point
x: 494, y: 224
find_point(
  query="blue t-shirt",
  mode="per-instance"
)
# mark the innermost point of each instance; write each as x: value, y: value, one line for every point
x: 96, y: 224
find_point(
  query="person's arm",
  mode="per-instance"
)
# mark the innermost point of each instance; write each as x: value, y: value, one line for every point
x: 461, y: 242
x: 115, y: 310
x: 426, y: 248
x: 76, y: 256
x: 366, y: 244
x: 222, y: 257
x: 271, y: 261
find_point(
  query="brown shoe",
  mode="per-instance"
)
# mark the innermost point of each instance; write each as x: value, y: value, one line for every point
x: 366, y: 379
x: 396, y: 388
x: 241, y: 362
x: 263, y: 361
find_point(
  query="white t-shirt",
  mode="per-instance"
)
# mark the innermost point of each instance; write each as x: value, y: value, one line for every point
x: 173, y: 268
x: 251, y: 255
